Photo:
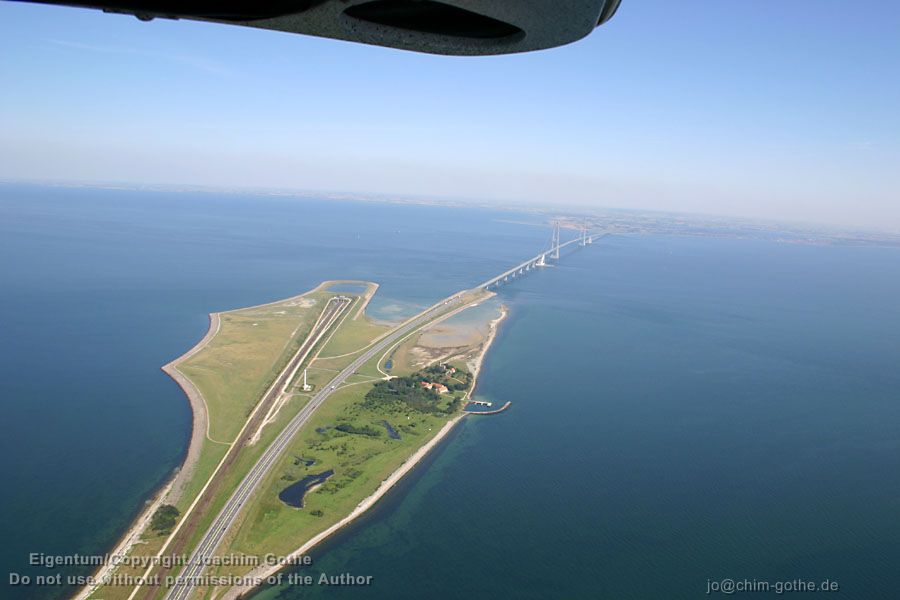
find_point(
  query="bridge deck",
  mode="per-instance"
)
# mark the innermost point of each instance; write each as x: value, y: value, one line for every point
x: 534, y: 260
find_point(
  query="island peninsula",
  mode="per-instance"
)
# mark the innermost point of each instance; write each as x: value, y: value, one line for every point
x: 258, y: 381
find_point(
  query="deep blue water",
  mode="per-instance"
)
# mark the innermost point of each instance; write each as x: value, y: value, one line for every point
x: 293, y: 494
x: 684, y: 409
x: 392, y: 433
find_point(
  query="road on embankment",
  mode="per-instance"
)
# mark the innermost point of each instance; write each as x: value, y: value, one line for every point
x: 191, y: 577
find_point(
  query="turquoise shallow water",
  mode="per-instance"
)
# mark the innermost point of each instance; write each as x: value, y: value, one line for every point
x: 685, y: 409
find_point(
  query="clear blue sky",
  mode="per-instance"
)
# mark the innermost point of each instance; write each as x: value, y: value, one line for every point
x: 762, y: 109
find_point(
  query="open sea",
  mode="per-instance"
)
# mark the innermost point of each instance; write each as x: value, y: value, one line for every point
x: 686, y: 410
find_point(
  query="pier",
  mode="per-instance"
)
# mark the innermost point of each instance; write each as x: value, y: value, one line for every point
x: 489, y: 412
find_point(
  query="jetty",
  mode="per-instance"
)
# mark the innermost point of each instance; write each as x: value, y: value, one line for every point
x: 488, y: 412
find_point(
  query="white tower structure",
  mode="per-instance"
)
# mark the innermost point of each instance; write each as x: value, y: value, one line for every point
x: 306, y: 386
x: 554, y: 243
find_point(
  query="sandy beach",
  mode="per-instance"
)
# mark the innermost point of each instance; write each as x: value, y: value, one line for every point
x: 476, y: 364
x: 200, y: 419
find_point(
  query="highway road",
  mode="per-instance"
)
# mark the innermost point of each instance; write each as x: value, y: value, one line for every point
x: 210, y: 541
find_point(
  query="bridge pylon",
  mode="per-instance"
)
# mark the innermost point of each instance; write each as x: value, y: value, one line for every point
x: 554, y: 241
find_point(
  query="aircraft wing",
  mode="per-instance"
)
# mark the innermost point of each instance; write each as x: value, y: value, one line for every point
x: 466, y: 27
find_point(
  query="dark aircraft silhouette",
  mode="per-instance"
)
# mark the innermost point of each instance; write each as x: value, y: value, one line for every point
x: 439, y: 27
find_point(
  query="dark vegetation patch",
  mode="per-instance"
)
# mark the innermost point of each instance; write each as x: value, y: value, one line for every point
x: 392, y: 433
x: 358, y: 429
x: 164, y: 519
x: 409, y: 391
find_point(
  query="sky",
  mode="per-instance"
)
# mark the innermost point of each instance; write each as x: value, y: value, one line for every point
x: 768, y: 109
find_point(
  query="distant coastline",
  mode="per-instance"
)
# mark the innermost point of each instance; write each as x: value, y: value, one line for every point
x: 613, y: 219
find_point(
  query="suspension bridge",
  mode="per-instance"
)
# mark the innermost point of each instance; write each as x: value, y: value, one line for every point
x: 545, y: 258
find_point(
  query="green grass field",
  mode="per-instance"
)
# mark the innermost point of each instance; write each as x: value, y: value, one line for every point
x: 245, y: 357
x: 360, y: 464
x: 353, y: 336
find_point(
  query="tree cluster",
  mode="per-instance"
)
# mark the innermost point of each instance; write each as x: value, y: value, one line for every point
x: 164, y: 519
